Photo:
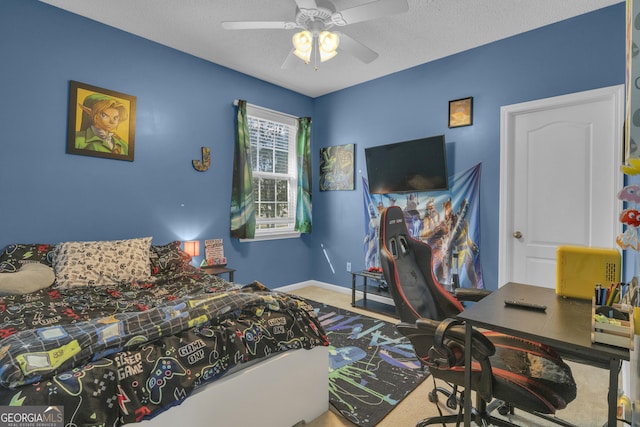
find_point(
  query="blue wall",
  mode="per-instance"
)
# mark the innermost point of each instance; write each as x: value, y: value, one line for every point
x: 582, y: 53
x: 185, y: 103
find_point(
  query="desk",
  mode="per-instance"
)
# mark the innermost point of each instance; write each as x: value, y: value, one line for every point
x: 565, y: 326
x: 217, y: 270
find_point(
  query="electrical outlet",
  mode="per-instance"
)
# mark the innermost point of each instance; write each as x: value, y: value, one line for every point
x: 349, y: 266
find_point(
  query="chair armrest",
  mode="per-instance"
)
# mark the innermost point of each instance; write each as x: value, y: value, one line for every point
x: 428, y: 324
x: 470, y: 294
x: 426, y: 335
x: 481, y: 347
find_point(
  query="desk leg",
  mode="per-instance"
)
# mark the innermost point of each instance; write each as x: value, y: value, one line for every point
x: 467, y: 374
x: 231, y: 276
x: 612, y: 397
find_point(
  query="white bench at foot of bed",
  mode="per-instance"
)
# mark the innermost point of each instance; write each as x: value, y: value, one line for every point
x: 282, y: 391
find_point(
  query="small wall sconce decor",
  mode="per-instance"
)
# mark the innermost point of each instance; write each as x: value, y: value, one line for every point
x: 203, y: 165
x: 461, y: 112
x: 192, y: 247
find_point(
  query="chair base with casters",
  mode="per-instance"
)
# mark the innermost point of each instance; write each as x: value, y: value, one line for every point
x: 481, y: 412
x: 526, y: 375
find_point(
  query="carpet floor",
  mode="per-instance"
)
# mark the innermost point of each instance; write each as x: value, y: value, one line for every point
x: 372, y: 367
x: 588, y: 410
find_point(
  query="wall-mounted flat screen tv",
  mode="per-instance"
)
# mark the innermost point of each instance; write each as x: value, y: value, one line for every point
x: 417, y: 165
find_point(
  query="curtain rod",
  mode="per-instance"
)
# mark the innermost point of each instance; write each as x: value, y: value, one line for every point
x: 235, y: 103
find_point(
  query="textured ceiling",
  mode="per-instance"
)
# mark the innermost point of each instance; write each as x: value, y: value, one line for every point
x: 430, y: 30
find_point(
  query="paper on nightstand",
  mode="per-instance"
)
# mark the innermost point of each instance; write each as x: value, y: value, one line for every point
x: 214, y: 252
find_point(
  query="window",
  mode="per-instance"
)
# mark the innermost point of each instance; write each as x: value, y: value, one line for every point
x: 275, y: 174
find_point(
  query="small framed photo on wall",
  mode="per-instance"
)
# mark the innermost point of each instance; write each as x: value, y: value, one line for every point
x: 461, y: 112
x: 102, y: 122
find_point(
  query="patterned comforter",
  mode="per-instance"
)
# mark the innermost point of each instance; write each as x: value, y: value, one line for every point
x: 118, y: 354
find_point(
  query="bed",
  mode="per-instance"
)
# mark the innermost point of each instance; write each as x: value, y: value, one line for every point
x: 123, y: 332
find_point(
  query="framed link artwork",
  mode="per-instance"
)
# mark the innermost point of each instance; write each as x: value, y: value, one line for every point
x: 102, y: 122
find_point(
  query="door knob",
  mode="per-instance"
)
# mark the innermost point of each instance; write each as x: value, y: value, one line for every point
x: 517, y: 234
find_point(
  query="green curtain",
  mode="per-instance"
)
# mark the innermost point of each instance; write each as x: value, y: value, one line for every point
x: 303, y: 211
x: 243, y: 210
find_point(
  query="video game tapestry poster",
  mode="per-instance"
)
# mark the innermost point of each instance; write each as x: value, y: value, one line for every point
x: 447, y: 220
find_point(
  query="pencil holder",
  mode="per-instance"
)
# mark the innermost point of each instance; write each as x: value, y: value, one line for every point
x: 618, y: 335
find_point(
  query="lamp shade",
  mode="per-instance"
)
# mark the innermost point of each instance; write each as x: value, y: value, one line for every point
x: 327, y: 44
x: 303, y: 44
x: 192, y: 247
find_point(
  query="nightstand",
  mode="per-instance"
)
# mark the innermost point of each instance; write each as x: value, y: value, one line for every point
x: 218, y: 270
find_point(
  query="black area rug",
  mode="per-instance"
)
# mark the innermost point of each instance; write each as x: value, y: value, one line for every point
x: 371, y: 366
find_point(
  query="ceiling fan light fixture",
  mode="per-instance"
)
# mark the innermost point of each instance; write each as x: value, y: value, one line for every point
x: 303, y: 44
x: 328, y: 43
x: 314, y: 18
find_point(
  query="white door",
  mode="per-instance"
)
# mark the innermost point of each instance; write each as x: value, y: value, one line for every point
x: 559, y: 178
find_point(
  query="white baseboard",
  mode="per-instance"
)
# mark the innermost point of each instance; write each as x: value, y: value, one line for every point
x: 333, y: 288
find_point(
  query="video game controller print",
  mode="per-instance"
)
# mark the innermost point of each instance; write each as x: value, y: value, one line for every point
x: 71, y: 381
x: 165, y: 369
x: 252, y: 336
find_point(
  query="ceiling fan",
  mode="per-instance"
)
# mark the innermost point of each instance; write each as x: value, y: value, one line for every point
x: 315, y: 19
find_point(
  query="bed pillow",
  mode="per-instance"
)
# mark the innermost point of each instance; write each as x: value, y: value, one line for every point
x: 13, y: 257
x: 102, y: 262
x: 29, y: 278
x: 167, y: 258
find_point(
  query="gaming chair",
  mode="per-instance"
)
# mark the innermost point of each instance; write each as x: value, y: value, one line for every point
x: 513, y: 372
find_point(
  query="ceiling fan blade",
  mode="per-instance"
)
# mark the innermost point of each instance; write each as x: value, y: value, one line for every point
x: 290, y: 61
x: 257, y: 25
x: 357, y: 49
x: 306, y: 4
x: 368, y: 11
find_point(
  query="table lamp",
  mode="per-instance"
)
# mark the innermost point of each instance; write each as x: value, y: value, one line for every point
x: 192, y: 247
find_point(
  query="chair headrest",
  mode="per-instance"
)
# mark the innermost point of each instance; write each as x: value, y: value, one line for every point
x: 394, y: 221
x: 393, y: 227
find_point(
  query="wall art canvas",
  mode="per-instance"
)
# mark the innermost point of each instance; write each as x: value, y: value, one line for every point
x: 337, y: 168
x: 101, y: 122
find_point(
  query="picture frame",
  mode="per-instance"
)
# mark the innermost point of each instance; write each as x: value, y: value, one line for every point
x: 461, y: 112
x: 102, y: 122
x: 337, y: 168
